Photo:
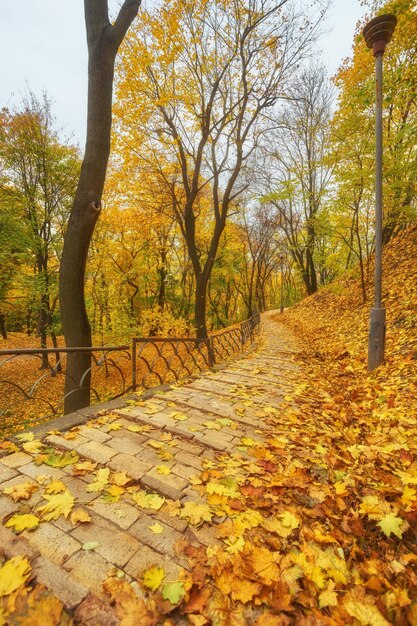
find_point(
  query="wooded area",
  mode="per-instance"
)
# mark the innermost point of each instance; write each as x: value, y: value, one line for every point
x: 230, y: 150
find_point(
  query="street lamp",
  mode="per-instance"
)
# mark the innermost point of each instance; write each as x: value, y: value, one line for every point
x: 281, y: 258
x: 377, y: 34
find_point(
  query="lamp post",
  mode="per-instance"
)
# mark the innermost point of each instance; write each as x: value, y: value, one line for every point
x: 377, y: 34
x: 281, y: 258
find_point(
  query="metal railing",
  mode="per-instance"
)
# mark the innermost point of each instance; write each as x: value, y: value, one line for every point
x: 27, y: 398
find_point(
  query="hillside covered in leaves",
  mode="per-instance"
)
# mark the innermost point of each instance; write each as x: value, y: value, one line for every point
x: 333, y: 327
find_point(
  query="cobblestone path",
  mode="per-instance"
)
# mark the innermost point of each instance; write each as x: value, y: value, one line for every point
x: 181, y: 429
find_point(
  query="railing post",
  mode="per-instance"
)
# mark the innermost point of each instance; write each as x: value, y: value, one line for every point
x: 242, y: 335
x: 133, y: 364
x: 210, y: 348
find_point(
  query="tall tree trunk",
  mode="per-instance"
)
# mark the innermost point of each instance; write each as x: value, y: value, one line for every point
x: 103, y: 40
x: 162, y: 271
x: 41, y: 331
x: 200, y: 307
x: 3, y: 326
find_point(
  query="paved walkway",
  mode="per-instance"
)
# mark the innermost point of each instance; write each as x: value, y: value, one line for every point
x: 161, y: 444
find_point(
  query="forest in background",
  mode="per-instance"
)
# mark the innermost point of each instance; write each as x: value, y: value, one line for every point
x: 233, y: 168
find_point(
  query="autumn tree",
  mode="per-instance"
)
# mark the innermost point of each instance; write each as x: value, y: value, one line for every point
x: 14, y: 244
x: 195, y: 84
x: 262, y: 245
x: 39, y: 174
x: 103, y: 41
x: 298, y: 177
x: 354, y: 121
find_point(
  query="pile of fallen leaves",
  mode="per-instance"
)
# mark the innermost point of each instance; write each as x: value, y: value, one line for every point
x: 24, y: 602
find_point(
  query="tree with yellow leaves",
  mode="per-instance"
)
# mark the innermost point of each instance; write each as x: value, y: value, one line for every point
x: 353, y: 126
x: 196, y: 81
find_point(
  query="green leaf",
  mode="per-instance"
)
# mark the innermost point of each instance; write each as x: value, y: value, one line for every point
x: 56, y: 459
x: 148, y: 500
x: 174, y: 592
x: 25, y: 437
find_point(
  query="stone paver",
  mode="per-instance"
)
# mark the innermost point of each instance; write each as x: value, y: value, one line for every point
x: 180, y: 429
x: 6, y: 473
x: 115, y: 546
x: 129, y: 464
x: 88, y: 568
x: 52, y: 543
x: 170, y: 486
x: 15, y: 460
x: 121, y: 513
x: 163, y: 543
x: 96, y: 451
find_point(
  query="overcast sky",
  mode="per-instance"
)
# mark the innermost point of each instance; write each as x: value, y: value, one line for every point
x: 42, y: 44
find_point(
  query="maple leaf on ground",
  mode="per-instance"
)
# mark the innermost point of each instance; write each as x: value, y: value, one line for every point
x: 223, y: 612
x: 197, y: 620
x: 101, y: 480
x: 146, y: 428
x: 131, y: 610
x: 21, y: 522
x: 120, y: 478
x: 174, y: 592
x: 24, y: 437
x: 318, y: 564
x: 327, y: 598
x: 80, y: 516
x: 114, y: 426
x: 243, y: 590
x: 179, y: 416
x: 363, y: 608
x: 148, y: 500
x: 115, y: 491
x: 198, y: 600
x: 234, y: 544
x: 58, y: 504
x: 56, y: 459
x: 408, y: 497
x: 14, y: 573
x: 196, y: 513
x: 33, y: 447
x: 283, y: 524
x: 374, y: 507
x: 82, y: 468
x: 56, y: 486
x: 41, y: 608
x: 265, y: 565
x: 153, y: 577
x: 391, y: 524
x: 22, y: 491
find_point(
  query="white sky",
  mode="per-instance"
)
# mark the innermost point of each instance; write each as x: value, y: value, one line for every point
x: 42, y: 44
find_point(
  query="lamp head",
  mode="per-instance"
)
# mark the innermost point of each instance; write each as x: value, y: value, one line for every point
x: 378, y: 32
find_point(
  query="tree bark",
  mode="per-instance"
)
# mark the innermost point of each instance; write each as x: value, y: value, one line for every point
x: 103, y: 40
x: 200, y: 307
x: 3, y: 326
